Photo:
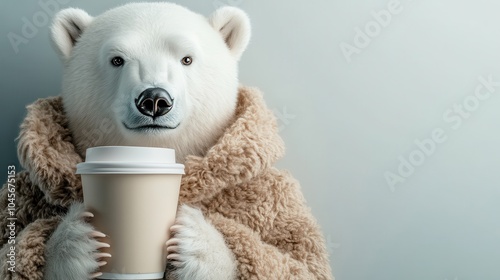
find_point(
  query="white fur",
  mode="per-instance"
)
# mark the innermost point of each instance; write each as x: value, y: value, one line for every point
x: 152, y: 38
x: 68, y: 25
x: 69, y: 251
x: 234, y: 26
x: 202, y: 251
x: 99, y: 99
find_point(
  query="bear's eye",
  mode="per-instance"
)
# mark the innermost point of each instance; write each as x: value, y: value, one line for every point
x: 187, y: 60
x: 117, y: 61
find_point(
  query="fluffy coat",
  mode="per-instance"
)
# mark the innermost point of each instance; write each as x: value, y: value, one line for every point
x: 258, y: 209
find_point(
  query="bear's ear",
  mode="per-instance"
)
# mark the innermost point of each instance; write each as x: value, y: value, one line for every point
x: 67, y: 26
x: 234, y: 26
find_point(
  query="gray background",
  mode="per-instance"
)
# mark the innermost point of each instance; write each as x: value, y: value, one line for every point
x: 347, y: 123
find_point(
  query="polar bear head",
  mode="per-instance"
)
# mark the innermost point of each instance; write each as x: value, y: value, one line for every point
x: 150, y: 74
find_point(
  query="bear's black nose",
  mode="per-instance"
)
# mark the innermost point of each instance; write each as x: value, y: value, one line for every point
x: 154, y: 102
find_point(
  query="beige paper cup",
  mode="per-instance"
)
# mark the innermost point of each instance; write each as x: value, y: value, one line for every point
x: 133, y: 193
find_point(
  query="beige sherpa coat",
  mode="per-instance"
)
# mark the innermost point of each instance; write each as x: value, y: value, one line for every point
x: 259, y: 209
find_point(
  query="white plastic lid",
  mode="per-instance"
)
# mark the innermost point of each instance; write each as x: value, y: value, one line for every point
x: 129, y: 160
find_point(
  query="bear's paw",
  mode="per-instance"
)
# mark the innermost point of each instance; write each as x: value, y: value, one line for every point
x: 72, y: 252
x: 197, y: 250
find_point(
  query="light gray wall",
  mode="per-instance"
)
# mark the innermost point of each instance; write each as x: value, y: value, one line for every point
x: 349, y: 120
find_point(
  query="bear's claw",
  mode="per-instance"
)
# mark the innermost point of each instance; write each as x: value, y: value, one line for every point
x: 96, y: 233
x: 176, y: 228
x: 101, y: 255
x: 95, y: 275
x: 86, y: 214
x: 173, y: 249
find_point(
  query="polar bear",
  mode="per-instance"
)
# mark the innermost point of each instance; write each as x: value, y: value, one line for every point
x: 156, y: 74
x: 158, y: 53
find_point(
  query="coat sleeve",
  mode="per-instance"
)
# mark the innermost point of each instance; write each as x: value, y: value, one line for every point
x: 27, y: 221
x: 282, y: 240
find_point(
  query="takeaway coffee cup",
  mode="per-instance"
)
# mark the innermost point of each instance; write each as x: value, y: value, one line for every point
x: 133, y: 193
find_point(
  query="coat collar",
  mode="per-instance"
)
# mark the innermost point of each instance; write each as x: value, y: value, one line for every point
x: 248, y: 146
